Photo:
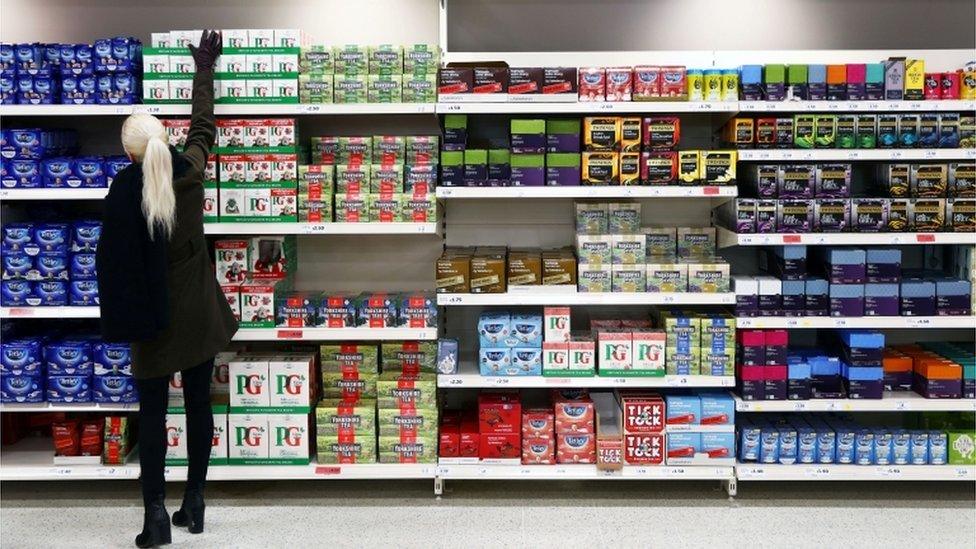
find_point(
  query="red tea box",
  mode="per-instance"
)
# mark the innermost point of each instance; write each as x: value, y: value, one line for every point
x: 644, y: 449
x: 538, y: 423
x: 500, y: 446
x: 469, y: 440
x: 574, y: 416
x: 643, y: 413
x: 674, y: 83
x: 619, y: 83
x: 499, y: 413
x: 576, y: 448
x: 592, y: 84
x: 647, y: 83
x: 449, y: 442
x: 539, y: 450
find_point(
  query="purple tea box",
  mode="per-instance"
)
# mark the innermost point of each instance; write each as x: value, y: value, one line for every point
x: 918, y: 298
x: 794, y: 216
x: 794, y: 298
x: 827, y: 387
x: 21, y: 388
x: 898, y: 381
x: 775, y: 382
x: 528, y: 170
x: 563, y: 136
x: 746, y: 289
x: 528, y: 136
x: 869, y: 215
x: 953, y: 297
x: 114, y: 389
x: 846, y: 266
x: 751, y: 347
x: 937, y: 388
x: 764, y: 180
x: 796, y: 181
x: 798, y: 381
x: 751, y: 382
x: 864, y: 383
x: 770, y: 295
x: 831, y: 215
x: 817, y: 292
x: 790, y: 262
x: 881, y: 299
x: 69, y: 388
x: 883, y: 265
x: 766, y: 216
x: 745, y: 216
x: 563, y: 169
x: 847, y: 300
x: 833, y: 181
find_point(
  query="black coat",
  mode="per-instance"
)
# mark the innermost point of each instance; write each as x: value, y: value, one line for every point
x: 164, y: 299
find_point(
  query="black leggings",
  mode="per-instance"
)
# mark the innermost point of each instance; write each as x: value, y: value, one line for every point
x: 153, y: 398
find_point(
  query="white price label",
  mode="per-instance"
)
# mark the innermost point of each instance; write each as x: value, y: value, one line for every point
x: 4, y: 193
x: 903, y: 405
x: 962, y: 472
x: 668, y: 299
x: 452, y: 107
x: 311, y: 109
x: 454, y: 300
x: 604, y: 106
x: 853, y: 155
x: 817, y: 472
x: 455, y: 381
x: 619, y: 381
x: 561, y: 471
x: 929, y: 153
x: 748, y: 106
x: 896, y: 154
x: 501, y: 381
x: 676, y: 471
x: 833, y: 106
x: 889, y: 471
x: 314, y: 228
x: 677, y: 380
x: 525, y: 471
x: 799, y: 406
x: 853, y: 106
x: 754, y: 472
x: 557, y: 380
x: 872, y: 106
x: 705, y: 106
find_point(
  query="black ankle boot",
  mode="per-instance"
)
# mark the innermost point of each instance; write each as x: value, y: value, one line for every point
x: 155, y: 527
x: 191, y: 512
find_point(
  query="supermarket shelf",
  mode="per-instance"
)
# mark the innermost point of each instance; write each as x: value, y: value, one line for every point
x: 320, y: 228
x: 901, y: 401
x: 588, y: 191
x: 334, y: 334
x: 727, y: 237
x: 762, y: 155
x: 857, y: 106
x: 49, y: 312
x: 857, y: 322
x: 583, y: 298
x: 580, y: 472
x: 854, y: 472
x: 469, y: 377
x: 53, y: 194
x: 242, y: 110
x: 68, y: 407
x: 502, y: 107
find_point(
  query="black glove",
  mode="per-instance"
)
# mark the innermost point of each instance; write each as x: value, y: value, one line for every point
x: 205, y: 55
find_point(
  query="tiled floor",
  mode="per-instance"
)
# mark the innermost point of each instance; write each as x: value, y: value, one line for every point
x: 506, y: 514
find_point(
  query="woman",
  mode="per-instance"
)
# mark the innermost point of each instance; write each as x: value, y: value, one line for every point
x: 158, y: 291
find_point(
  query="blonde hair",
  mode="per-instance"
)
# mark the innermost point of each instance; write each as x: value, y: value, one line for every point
x: 144, y: 138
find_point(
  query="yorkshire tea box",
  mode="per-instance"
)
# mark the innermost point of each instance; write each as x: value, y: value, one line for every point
x: 315, y: 88
x: 409, y: 357
x: 421, y: 59
x: 385, y: 59
x: 695, y: 242
x: 660, y: 241
x: 624, y: 218
x: 346, y: 449
x: 384, y: 88
x: 396, y: 390
x: 406, y: 422
x: 349, y: 357
x: 708, y: 277
x: 421, y: 449
x: 664, y: 275
x: 593, y: 219
x: 335, y: 417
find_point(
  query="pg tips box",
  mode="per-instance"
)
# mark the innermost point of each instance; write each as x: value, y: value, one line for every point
x: 582, y: 358
x: 249, y: 382
x: 257, y: 304
x: 648, y: 357
x: 231, y: 261
x: 644, y: 449
x: 555, y: 358
x: 176, y: 437
x: 218, y: 446
x: 556, y: 324
x: 616, y: 352
x: 290, y: 378
x: 288, y: 439
x: 248, y: 442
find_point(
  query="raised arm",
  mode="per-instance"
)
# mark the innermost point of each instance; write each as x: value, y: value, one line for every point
x: 203, y: 131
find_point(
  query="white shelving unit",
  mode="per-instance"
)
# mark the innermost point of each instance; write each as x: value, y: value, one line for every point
x: 947, y: 105
x: 294, y: 109
x: 334, y: 334
x: 68, y: 407
x: 815, y: 322
x: 53, y: 194
x: 854, y: 472
x: 449, y: 106
x: 900, y: 401
x: 469, y: 377
x: 320, y: 228
x: 48, y: 312
x: 776, y: 155
x: 587, y: 191
x: 583, y: 298
x: 581, y: 472
x: 727, y: 237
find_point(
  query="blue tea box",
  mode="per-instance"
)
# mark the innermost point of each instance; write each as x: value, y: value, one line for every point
x: 111, y: 359
x: 69, y: 388
x: 716, y: 445
x: 49, y: 237
x: 56, y: 172
x: 901, y: 441
x: 816, y: 291
x: 527, y: 361
x: 798, y: 381
x: 790, y: 262
x: 83, y: 293
x: 25, y: 174
x: 953, y: 297
x: 845, y: 442
x: 21, y: 356
x: 883, y: 265
x: 683, y: 446
x: 938, y: 448
x: 68, y: 356
x: 21, y: 388
x: 918, y: 452
x: 864, y: 382
x: 16, y: 293
x: 787, y: 444
x: 846, y: 266
x: 496, y: 361
x: 49, y: 293
x: 826, y: 440
x: 16, y: 266
x: 864, y: 447
x: 769, y: 444
x: 88, y: 173
x: 114, y: 389
x: 682, y: 409
x: 862, y: 339
x: 750, y: 436
x: 525, y: 331
x: 846, y: 299
x: 918, y: 298
x: 883, y: 450
x: 716, y: 409
x: 806, y: 443
x: 85, y: 235
x: 750, y: 82
x: 50, y: 266
x: 881, y: 300
x: 817, y: 82
x: 794, y: 298
x: 82, y: 267
x: 78, y: 90
x: 112, y: 166
x: 824, y: 366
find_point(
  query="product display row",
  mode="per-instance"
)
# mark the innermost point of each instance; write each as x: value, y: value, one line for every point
x: 49, y: 264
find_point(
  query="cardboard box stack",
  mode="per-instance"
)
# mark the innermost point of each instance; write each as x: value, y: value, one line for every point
x: 257, y: 170
x: 407, y: 403
x: 700, y: 428
x: 510, y: 344
x: 385, y: 73
x: 379, y: 179
x: 253, y: 273
x: 256, y: 66
x: 566, y: 353
x: 491, y: 269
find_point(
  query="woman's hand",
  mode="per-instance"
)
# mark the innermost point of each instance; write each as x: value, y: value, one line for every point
x: 205, y: 55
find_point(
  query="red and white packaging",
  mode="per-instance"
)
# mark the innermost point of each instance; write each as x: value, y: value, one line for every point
x: 674, y: 82
x: 231, y: 260
x: 616, y: 350
x: 538, y: 423
x: 592, y: 84
x: 644, y: 449
x: 177, y: 130
x: 642, y: 413
x: 576, y: 448
x: 648, y: 351
x: 539, y: 450
x: 281, y: 132
x: 647, y: 83
x: 500, y: 446
x: 284, y: 167
x: 469, y: 441
x: 557, y: 322
x: 499, y: 413
x: 449, y: 440
x: 257, y: 300
x: 233, y: 168
x: 230, y: 132
x: 555, y: 356
x: 574, y: 416
x: 582, y: 355
x: 232, y: 293
x: 619, y: 83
